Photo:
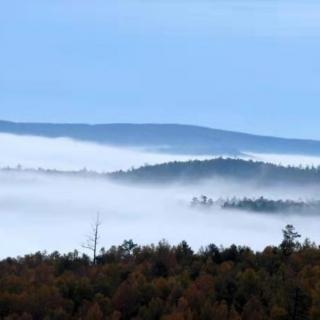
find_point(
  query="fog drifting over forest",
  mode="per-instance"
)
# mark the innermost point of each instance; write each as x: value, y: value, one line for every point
x: 67, y: 154
x: 41, y: 212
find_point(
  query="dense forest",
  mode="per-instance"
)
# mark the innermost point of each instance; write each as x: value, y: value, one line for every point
x: 235, y: 169
x: 166, y: 282
x: 258, y: 205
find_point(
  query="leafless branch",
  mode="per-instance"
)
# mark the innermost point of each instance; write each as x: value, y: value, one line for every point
x: 94, y: 237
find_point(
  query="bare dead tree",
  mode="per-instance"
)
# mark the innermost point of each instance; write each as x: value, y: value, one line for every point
x: 93, y: 238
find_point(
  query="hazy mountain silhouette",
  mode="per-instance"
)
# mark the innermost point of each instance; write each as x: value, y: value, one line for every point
x: 171, y: 138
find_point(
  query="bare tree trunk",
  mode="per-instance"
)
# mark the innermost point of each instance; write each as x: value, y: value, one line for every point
x: 93, y: 239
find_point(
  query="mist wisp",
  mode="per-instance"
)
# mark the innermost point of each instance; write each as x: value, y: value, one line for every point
x: 54, y: 212
x: 40, y: 212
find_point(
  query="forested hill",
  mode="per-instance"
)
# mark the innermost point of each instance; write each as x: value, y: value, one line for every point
x: 170, y: 138
x: 193, y: 171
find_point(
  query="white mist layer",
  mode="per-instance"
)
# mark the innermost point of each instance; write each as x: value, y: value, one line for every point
x: 67, y: 154
x: 40, y: 212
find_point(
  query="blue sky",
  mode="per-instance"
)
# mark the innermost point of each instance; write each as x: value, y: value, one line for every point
x: 242, y: 65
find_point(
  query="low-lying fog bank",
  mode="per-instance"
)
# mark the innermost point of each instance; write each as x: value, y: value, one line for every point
x: 54, y: 212
x: 40, y: 212
x: 66, y: 154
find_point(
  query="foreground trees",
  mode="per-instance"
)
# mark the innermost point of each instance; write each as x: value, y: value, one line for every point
x: 166, y: 282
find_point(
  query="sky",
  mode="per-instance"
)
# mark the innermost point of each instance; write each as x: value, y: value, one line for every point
x: 242, y: 65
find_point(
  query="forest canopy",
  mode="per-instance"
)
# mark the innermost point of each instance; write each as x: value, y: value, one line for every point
x: 166, y: 282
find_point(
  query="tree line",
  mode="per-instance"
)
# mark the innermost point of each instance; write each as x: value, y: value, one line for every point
x: 260, y: 204
x: 234, y: 169
x: 166, y: 282
x: 196, y: 170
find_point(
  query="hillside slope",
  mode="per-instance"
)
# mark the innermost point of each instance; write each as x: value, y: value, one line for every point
x: 235, y: 169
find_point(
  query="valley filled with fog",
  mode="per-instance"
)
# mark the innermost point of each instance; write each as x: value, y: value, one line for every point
x: 54, y: 212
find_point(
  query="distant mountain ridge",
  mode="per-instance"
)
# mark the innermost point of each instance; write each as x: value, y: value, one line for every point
x: 171, y: 138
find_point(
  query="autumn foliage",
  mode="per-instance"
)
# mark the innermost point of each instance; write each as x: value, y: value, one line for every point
x: 165, y: 282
